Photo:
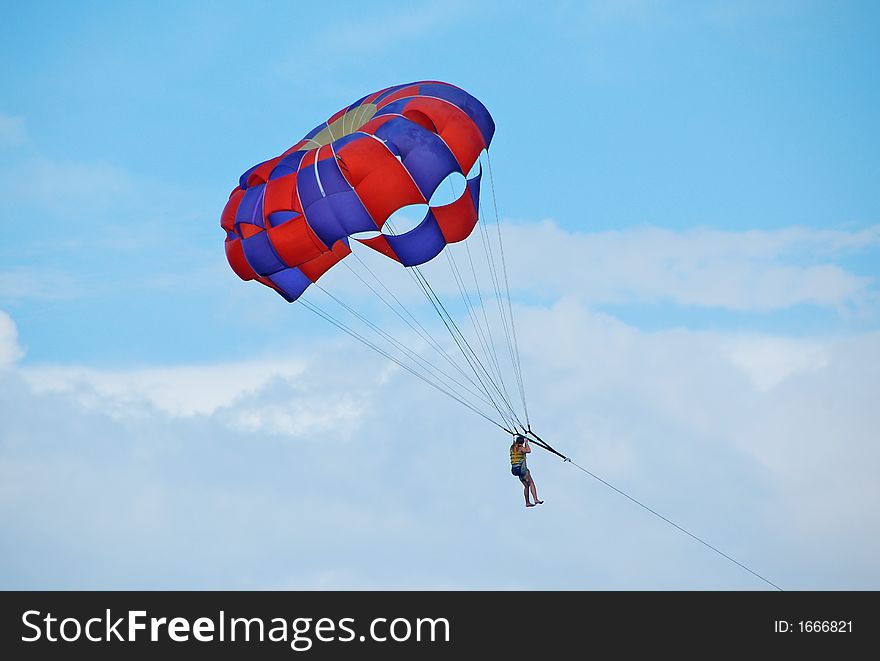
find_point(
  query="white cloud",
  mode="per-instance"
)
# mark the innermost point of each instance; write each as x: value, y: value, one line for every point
x: 327, y: 468
x: 178, y: 391
x: 12, y: 131
x: 10, y: 351
x: 300, y: 417
x: 286, y: 396
x: 744, y: 271
x: 801, y: 408
x: 752, y: 271
x: 768, y: 361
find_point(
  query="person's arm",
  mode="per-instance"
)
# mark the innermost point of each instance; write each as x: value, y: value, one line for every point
x: 526, y: 447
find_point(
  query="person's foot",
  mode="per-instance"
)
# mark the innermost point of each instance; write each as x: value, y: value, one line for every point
x: 539, y: 502
x: 530, y: 504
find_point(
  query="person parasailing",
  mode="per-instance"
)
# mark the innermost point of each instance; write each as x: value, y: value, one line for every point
x: 518, y: 451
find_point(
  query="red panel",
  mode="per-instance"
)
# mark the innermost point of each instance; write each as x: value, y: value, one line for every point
x: 371, y: 126
x: 387, y: 189
x: 262, y: 171
x: 227, y: 218
x: 458, y: 131
x: 379, y: 179
x: 380, y: 244
x: 315, y: 268
x: 375, y: 95
x: 412, y: 90
x: 457, y: 220
x: 421, y: 119
x: 324, y: 154
x: 358, y: 157
x: 295, y: 242
x: 336, y: 116
x: 247, y: 230
x: 281, y: 195
x: 238, y: 262
x: 308, y: 159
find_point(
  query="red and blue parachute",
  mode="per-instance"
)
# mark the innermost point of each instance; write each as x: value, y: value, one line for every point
x: 290, y: 218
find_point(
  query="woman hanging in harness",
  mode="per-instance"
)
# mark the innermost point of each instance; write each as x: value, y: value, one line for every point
x: 518, y: 452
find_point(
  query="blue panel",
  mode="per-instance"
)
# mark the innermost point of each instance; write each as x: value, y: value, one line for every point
x: 352, y: 215
x: 395, y: 107
x: 331, y: 177
x: 288, y: 165
x: 307, y: 186
x: 260, y: 254
x: 346, y: 139
x: 393, y: 148
x: 250, y: 209
x: 421, y: 244
x: 455, y: 95
x: 473, y: 185
x: 320, y: 217
x: 292, y: 282
x: 242, y: 180
x: 280, y: 217
x: 424, y: 154
x: 338, y: 215
x: 471, y: 106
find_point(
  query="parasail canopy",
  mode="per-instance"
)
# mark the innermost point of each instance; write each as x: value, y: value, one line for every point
x: 290, y: 219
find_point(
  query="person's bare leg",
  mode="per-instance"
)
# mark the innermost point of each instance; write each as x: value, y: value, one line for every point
x: 526, y: 494
x: 534, y: 491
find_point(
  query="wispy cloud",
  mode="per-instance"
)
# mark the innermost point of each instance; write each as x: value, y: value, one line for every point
x: 71, y: 187
x: 363, y: 35
x: 35, y: 284
x: 769, y: 361
x: 753, y: 270
x: 12, y: 131
x: 178, y: 391
x: 380, y: 32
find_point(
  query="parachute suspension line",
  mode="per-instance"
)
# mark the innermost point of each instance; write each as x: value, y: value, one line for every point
x: 458, y: 338
x: 469, y: 355
x: 424, y: 287
x: 507, y: 288
x: 340, y: 325
x: 510, y: 417
x: 483, y: 309
x: 478, y: 331
x: 418, y: 327
x: 426, y: 365
x: 485, y: 338
x: 544, y: 445
x: 490, y: 259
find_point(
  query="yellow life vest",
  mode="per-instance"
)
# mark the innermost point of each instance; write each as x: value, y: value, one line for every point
x: 516, y: 456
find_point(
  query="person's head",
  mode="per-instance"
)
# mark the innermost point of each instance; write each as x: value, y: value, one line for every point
x: 519, y: 439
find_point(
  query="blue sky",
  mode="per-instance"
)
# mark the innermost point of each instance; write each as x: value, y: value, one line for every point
x: 689, y: 195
